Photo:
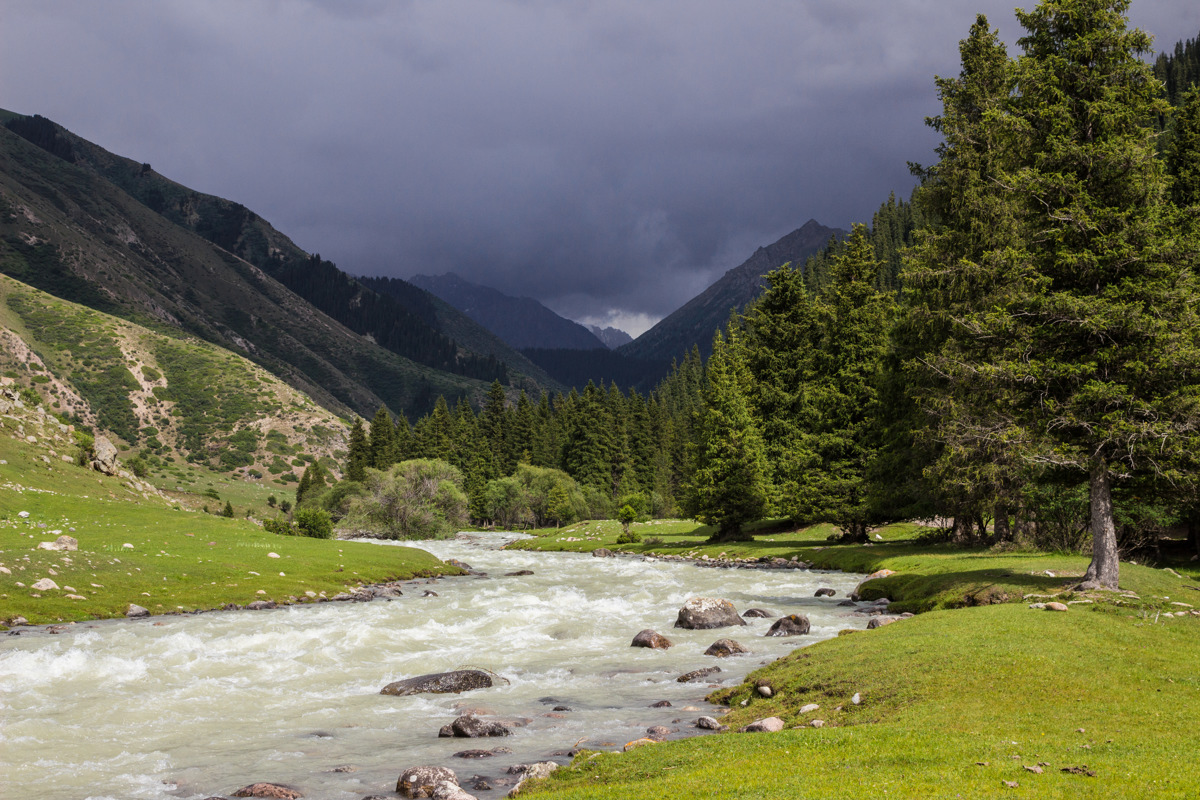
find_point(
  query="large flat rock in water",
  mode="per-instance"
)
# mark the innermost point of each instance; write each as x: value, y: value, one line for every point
x: 461, y: 680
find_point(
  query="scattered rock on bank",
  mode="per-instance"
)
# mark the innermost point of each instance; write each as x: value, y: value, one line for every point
x: 651, y: 639
x: 270, y: 790
x: 725, y: 647
x: 703, y: 613
x: 768, y: 725
x: 461, y: 680
x: 535, y: 771
x: 421, y: 781
x: 710, y: 724
x: 44, y: 585
x: 134, y: 611
x: 791, y: 625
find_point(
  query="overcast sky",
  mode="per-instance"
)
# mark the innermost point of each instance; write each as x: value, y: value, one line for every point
x: 608, y: 158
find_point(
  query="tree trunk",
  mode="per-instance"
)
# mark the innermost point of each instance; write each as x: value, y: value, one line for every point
x: 1103, y: 570
x: 1000, y: 530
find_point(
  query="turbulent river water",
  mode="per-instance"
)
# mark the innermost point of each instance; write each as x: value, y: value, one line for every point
x: 193, y: 706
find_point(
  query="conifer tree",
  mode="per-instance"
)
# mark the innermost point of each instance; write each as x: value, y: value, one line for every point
x: 730, y: 485
x: 382, y: 444
x: 360, y: 454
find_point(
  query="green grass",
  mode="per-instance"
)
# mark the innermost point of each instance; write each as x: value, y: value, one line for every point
x: 953, y: 703
x: 956, y: 701
x: 180, y: 560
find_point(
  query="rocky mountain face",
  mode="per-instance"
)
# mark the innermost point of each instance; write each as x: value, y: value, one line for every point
x: 697, y: 321
x: 611, y: 337
x: 110, y: 233
x: 522, y: 322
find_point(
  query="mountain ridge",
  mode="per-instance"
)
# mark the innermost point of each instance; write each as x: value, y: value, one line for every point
x: 696, y: 321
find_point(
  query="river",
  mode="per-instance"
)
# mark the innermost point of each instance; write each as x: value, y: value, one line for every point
x: 193, y: 706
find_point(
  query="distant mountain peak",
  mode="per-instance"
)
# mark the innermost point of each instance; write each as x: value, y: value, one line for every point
x: 611, y: 337
x: 521, y: 322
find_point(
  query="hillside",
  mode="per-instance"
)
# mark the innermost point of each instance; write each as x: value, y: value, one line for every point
x: 612, y: 337
x: 110, y: 233
x: 522, y: 322
x: 696, y: 321
x: 151, y: 394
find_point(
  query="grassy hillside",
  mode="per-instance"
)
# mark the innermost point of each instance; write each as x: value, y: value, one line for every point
x: 67, y: 230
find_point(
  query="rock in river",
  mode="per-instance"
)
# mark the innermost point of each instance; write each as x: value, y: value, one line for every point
x: 270, y: 790
x: 421, y: 781
x: 791, y: 625
x: 702, y: 613
x: 651, y: 639
x: 760, y: 613
x: 461, y: 680
x: 697, y: 674
x: 469, y: 726
x: 725, y: 647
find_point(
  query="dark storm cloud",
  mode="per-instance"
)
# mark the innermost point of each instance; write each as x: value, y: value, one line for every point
x: 600, y: 156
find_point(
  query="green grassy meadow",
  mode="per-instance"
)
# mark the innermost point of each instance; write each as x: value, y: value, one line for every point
x: 957, y: 702
x: 179, y: 561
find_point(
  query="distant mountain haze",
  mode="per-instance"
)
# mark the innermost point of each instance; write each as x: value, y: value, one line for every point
x: 522, y: 322
x: 697, y: 321
x: 612, y: 337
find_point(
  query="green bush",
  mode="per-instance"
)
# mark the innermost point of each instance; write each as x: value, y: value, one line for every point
x: 419, y: 499
x: 629, y: 537
x: 314, y: 523
x: 280, y: 526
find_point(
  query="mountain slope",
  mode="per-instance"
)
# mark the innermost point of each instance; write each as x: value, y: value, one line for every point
x: 522, y: 322
x: 154, y: 392
x: 67, y: 229
x: 696, y: 321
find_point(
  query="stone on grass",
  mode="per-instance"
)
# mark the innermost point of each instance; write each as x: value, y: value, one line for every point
x: 768, y: 725
x: 879, y: 622
x: 44, y: 585
x: 766, y: 691
x: 856, y: 699
x: 134, y: 611
x: 421, y: 781
x: 652, y: 639
x: 1056, y: 607
x: 709, y: 724
x: 809, y: 708
x: 454, y: 682
x: 636, y: 743
x: 703, y: 613
x: 791, y: 625
x: 725, y: 647
x: 104, y: 458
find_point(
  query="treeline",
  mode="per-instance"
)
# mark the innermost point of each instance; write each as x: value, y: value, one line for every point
x: 1180, y: 70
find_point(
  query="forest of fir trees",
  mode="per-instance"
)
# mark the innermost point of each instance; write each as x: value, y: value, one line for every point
x: 1014, y: 353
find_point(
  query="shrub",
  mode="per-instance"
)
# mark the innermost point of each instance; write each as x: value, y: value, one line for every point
x: 314, y: 523
x: 629, y: 537
x: 419, y: 499
x: 280, y: 526
x: 137, y: 465
x: 86, y: 448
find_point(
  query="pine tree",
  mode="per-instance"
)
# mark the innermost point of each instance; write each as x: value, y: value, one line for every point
x: 382, y: 445
x: 1091, y: 335
x: 1183, y: 151
x: 730, y: 485
x: 360, y: 452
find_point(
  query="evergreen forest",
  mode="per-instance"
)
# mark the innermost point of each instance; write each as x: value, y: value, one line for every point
x: 1013, y: 352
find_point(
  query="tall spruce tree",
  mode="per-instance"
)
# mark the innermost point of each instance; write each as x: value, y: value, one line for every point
x: 948, y: 426
x: 730, y: 487
x: 382, y: 440
x: 1092, y: 357
x: 360, y: 452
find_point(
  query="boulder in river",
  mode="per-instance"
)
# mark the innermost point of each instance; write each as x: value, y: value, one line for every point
x: 469, y: 726
x: 451, y: 791
x: 825, y: 592
x: 725, y: 647
x: 697, y: 674
x: 271, y: 790
x: 760, y: 613
x: 651, y: 639
x: 421, y: 781
x: 791, y: 625
x: 703, y: 613
x: 603, y: 552
x: 459, y: 680
x: 134, y: 611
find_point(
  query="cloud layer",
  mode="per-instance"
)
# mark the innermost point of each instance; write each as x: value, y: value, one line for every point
x: 610, y: 159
